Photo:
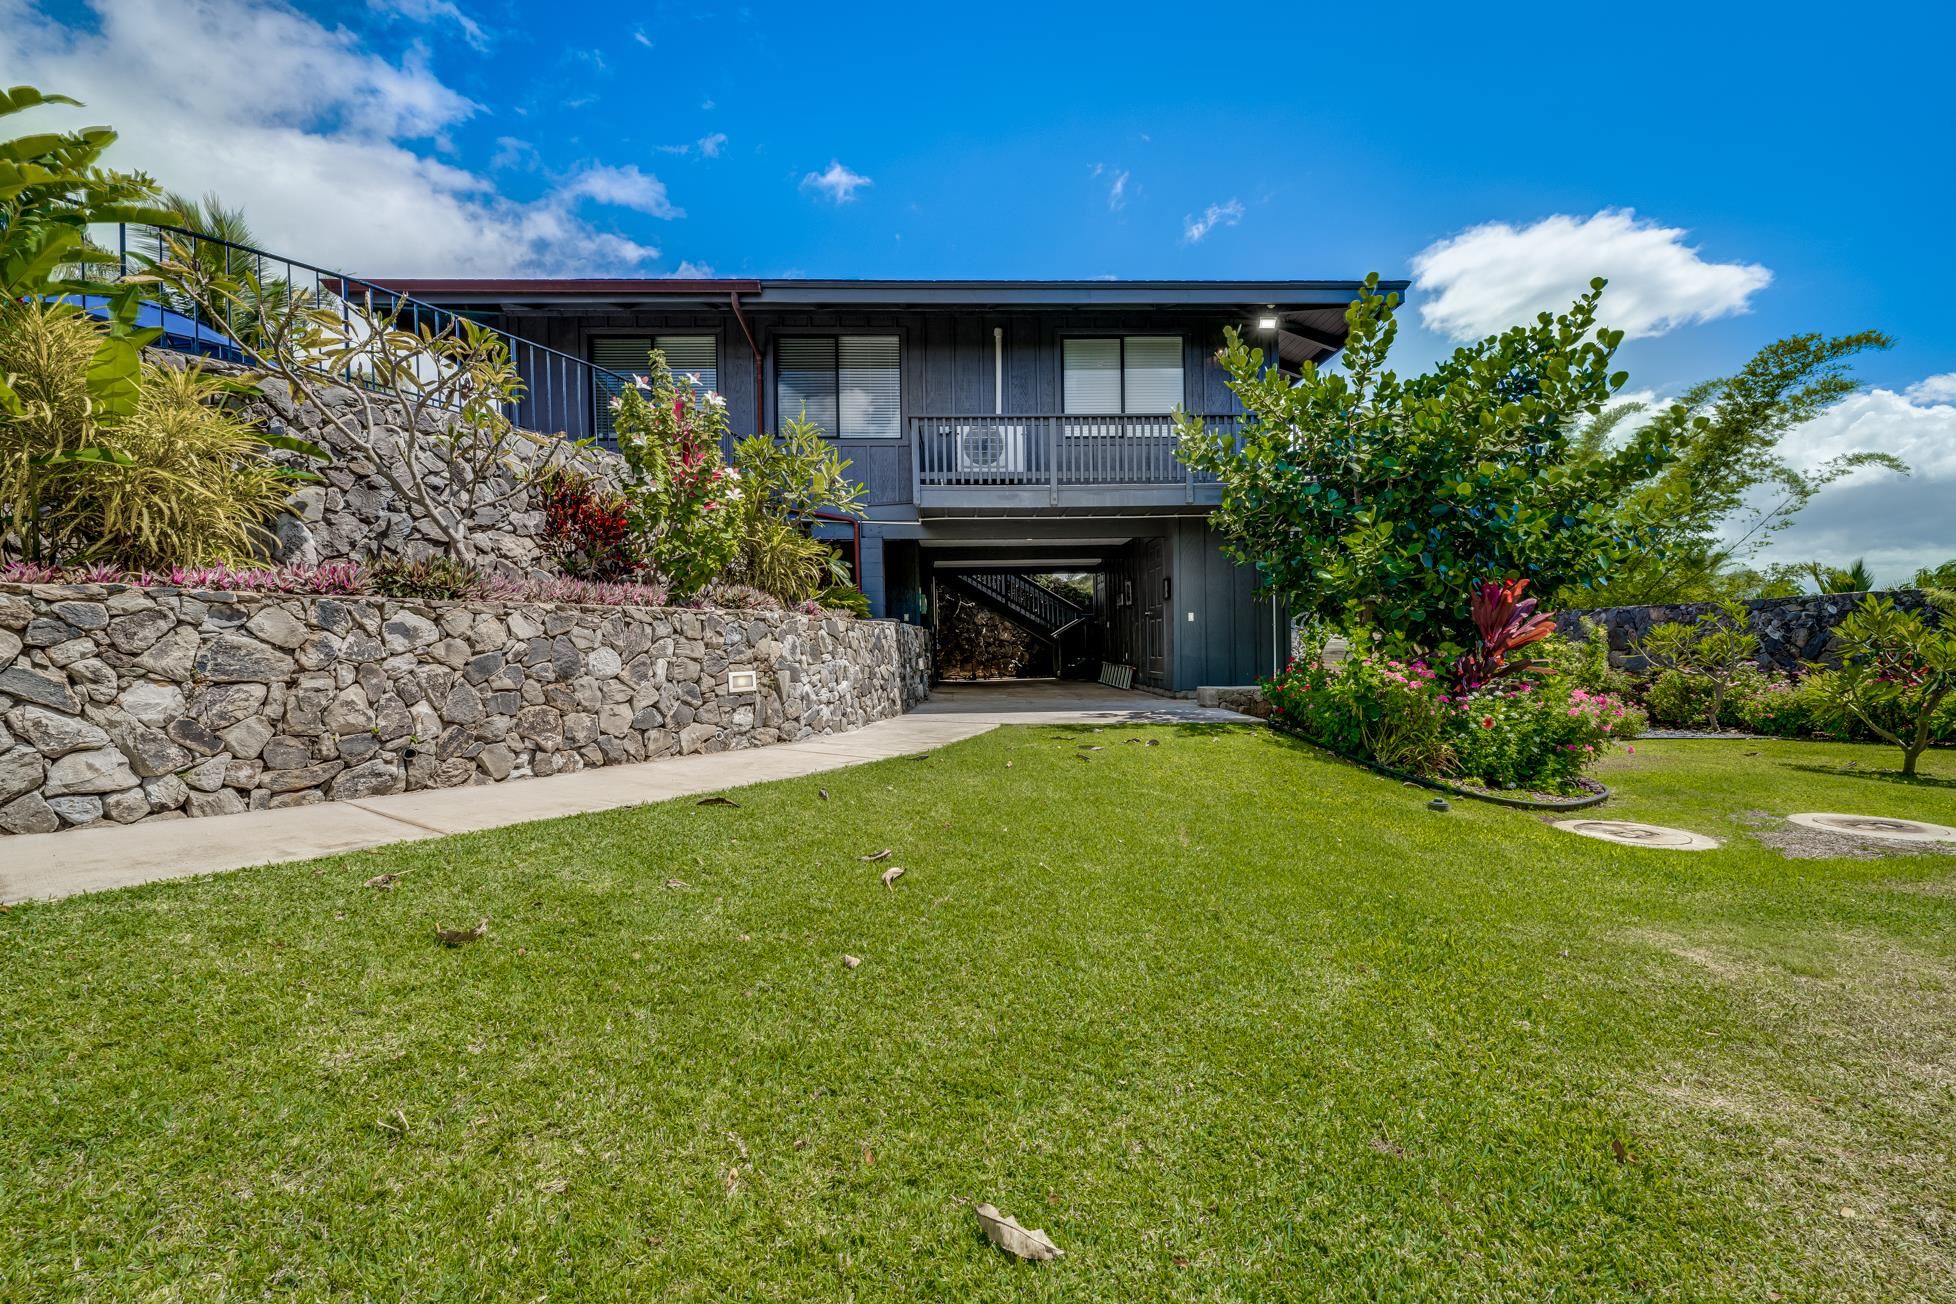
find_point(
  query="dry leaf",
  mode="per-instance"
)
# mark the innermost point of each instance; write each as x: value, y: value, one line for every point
x: 851, y: 961
x: 801, y: 1145
x: 679, y: 885
x: 1005, y: 1232
x: 1008, y: 765
x: 891, y: 875
x: 462, y: 936
x: 823, y: 793
x: 716, y: 801
x: 1156, y: 742
x: 386, y: 882
x: 884, y: 854
x: 733, y: 1179
x: 1092, y: 747
x: 1386, y: 1146
x: 1622, y: 1152
x: 555, y: 1186
x: 869, y: 1157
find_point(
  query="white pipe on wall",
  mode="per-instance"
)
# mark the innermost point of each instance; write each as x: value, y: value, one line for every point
x: 998, y: 370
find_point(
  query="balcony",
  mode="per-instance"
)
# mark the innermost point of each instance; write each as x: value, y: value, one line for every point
x: 1048, y: 460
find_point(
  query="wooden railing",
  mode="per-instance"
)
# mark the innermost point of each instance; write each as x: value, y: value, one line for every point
x: 1047, y: 450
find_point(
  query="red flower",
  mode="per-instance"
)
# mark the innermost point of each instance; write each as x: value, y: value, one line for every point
x: 1487, y: 722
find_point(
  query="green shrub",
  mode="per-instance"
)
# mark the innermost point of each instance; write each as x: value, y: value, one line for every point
x: 1386, y: 711
x: 1790, y: 708
x: 1585, y: 662
x: 428, y: 579
x: 843, y: 597
x: 1534, y: 735
x: 1678, y: 699
x: 1897, y: 675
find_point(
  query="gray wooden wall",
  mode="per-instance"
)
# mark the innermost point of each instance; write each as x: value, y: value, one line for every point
x: 947, y: 363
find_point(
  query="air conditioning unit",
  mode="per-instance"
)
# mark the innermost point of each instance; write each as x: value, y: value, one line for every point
x: 991, y: 450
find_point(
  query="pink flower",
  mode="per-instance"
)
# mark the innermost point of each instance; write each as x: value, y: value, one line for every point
x: 1631, y: 749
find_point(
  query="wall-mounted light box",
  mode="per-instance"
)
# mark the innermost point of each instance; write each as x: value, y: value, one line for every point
x: 743, y: 681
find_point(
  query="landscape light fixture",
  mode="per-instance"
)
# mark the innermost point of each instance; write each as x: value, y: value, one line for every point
x: 1267, y: 322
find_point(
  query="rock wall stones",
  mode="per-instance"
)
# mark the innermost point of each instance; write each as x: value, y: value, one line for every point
x: 127, y: 704
x: 1792, y: 631
x: 355, y: 512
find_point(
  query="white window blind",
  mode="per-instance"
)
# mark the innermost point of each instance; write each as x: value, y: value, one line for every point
x: 806, y: 385
x: 692, y: 355
x: 1091, y: 376
x: 871, y: 386
x: 1141, y: 374
x: 849, y: 385
x: 1152, y: 373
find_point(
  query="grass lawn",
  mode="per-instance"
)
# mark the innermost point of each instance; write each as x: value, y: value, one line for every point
x: 1228, y: 1019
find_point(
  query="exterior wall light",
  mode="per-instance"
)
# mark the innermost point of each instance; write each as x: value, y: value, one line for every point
x: 743, y: 681
x: 1266, y: 323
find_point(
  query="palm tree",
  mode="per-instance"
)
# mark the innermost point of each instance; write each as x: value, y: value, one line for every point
x: 1856, y: 578
x: 222, y: 247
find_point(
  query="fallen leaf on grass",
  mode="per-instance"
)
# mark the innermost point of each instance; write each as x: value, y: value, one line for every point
x: 801, y: 1144
x: 716, y: 801
x: 891, y: 875
x: 823, y: 793
x: 884, y: 854
x: 555, y: 1186
x: 1092, y: 747
x: 386, y: 882
x: 462, y: 936
x: 733, y: 1179
x: 679, y: 885
x: 1156, y: 742
x: 869, y: 1157
x: 1005, y: 1232
x: 1388, y: 1147
x: 1622, y: 1152
x: 851, y: 961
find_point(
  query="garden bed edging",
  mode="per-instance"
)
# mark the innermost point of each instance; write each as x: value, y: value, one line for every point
x: 121, y: 703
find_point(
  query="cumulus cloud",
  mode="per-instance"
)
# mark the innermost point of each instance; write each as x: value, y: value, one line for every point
x: 319, y: 139
x: 1487, y: 278
x: 836, y: 182
x: 1897, y: 524
x: 1224, y: 214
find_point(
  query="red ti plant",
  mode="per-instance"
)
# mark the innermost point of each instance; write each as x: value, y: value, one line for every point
x: 1507, y: 623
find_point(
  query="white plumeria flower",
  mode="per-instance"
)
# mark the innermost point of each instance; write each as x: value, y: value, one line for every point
x: 693, y: 379
x: 617, y: 403
x: 732, y: 473
x: 642, y: 382
x: 714, y: 400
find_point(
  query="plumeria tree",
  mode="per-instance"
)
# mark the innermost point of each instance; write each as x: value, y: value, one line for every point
x: 1898, y: 671
x: 685, y: 501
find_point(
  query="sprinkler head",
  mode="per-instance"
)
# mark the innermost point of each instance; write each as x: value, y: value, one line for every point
x: 1439, y: 803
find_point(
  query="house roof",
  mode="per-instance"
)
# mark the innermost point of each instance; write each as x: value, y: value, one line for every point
x: 804, y: 293
x: 1311, y: 314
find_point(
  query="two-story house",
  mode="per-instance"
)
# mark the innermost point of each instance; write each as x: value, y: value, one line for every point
x: 1002, y: 428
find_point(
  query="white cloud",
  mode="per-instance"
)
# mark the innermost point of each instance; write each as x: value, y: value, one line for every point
x: 313, y: 135
x: 1897, y: 524
x: 428, y: 11
x: 1117, y: 193
x: 621, y: 187
x: 513, y: 152
x: 710, y: 146
x: 640, y: 36
x: 836, y: 182
x: 1490, y: 277
x: 1224, y: 214
x: 688, y: 269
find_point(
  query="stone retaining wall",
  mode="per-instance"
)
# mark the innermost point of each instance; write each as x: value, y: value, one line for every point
x: 1792, y: 631
x: 126, y: 704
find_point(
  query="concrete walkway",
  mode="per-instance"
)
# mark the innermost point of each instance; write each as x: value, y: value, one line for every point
x: 52, y: 865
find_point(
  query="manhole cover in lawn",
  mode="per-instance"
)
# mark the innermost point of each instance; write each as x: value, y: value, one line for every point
x: 1876, y: 826
x: 1639, y: 835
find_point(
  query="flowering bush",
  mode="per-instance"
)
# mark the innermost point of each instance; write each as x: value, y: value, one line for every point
x: 587, y: 526
x: 1538, y: 736
x: 1389, y: 711
x: 1682, y: 700
x: 684, y: 503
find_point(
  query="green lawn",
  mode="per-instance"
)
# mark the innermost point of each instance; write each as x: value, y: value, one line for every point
x: 1226, y: 1018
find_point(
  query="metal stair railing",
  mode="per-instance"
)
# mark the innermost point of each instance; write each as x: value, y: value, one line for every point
x: 1030, y: 603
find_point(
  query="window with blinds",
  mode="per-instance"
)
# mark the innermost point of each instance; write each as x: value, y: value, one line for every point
x: 1139, y: 374
x: 631, y: 355
x: 851, y: 386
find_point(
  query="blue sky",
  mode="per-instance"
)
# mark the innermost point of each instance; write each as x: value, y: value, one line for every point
x: 1740, y: 178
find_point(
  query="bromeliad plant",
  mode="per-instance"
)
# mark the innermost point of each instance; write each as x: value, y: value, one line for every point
x: 685, y: 503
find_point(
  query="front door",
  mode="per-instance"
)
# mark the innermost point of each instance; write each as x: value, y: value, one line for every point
x: 1154, y: 614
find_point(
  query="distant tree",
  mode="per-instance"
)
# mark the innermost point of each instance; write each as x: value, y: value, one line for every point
x: 1935, y: 577
x: 1729, y: 489
x: 1855, y: 578
x: 1360, y: 495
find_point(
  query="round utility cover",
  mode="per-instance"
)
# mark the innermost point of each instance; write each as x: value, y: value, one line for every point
x: 1639, y: 835
x: 1876, y: 826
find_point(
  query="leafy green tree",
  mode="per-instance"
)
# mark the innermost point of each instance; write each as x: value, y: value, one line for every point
x: 1365, y: 496
x: 1854, y: 578
x: 1897, y: 671
x: 52, y: 189
x: 1935, y: 577
x: 1718, y: 647
x: 1729, y: 489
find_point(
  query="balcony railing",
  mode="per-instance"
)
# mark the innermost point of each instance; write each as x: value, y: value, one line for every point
x: 1053, y: 452
x: 560, y: 392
